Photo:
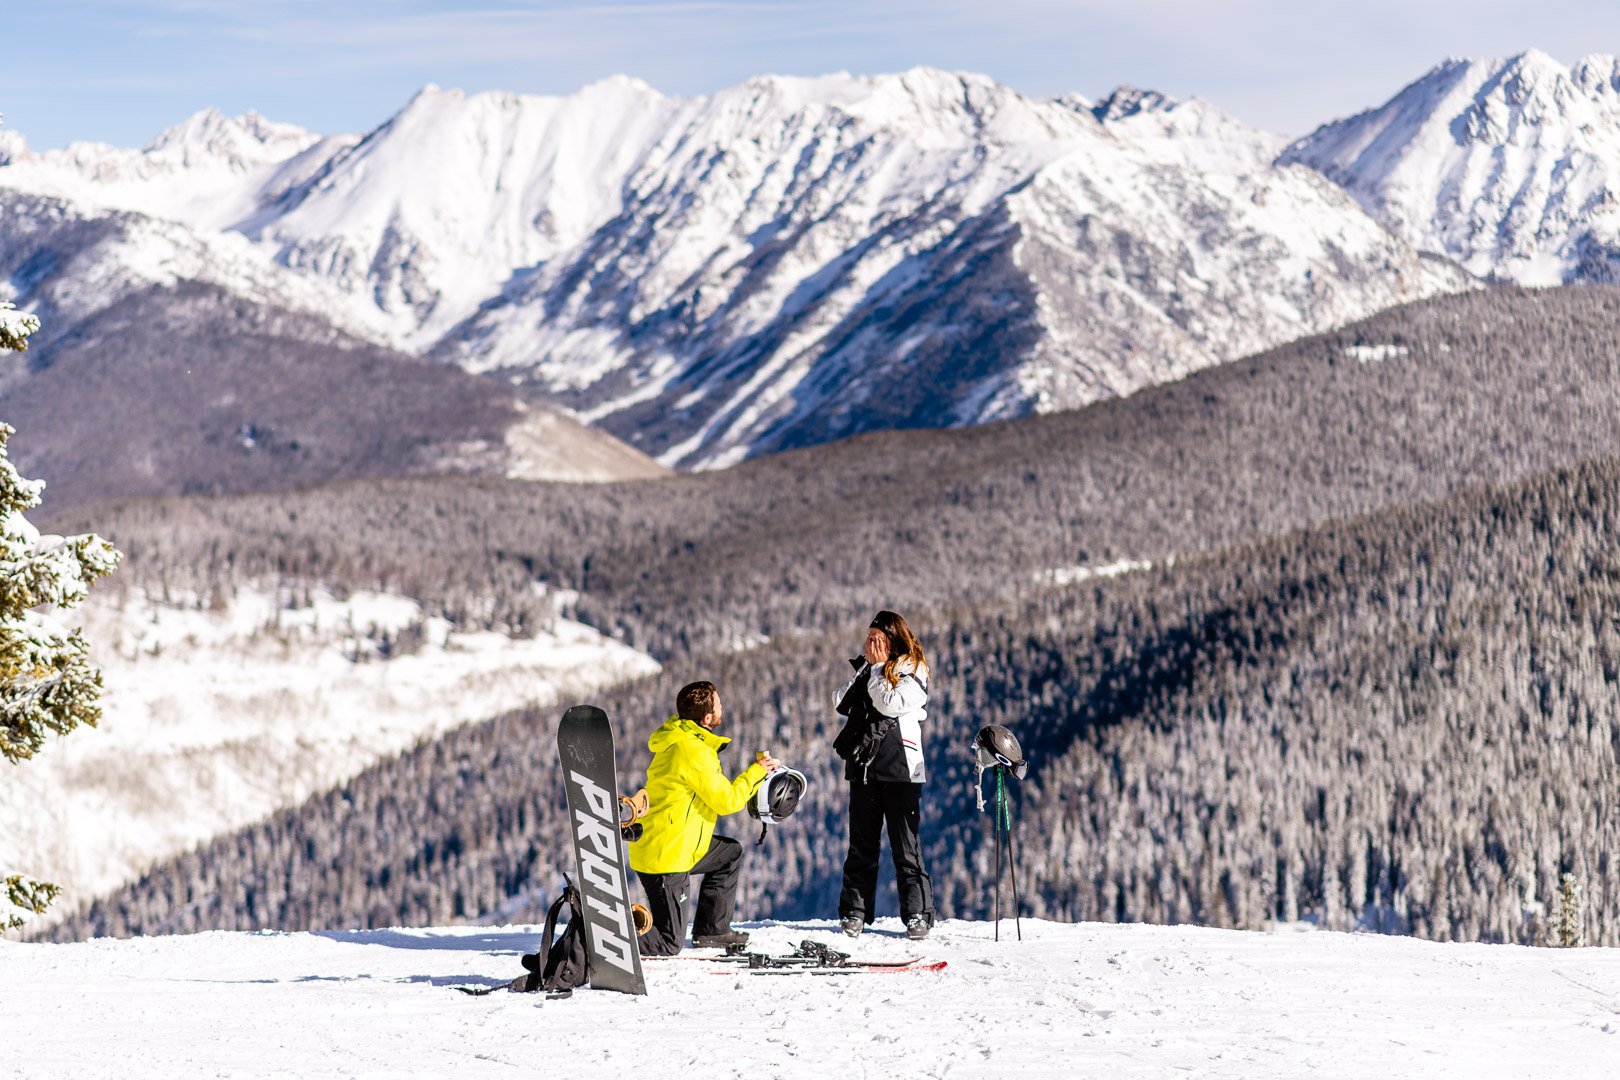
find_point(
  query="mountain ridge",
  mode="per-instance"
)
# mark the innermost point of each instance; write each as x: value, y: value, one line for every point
x: 792, y: 260
x: 717, y: 277
x: 1507, y: 165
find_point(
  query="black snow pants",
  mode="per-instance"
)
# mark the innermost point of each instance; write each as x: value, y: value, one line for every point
x: 872, y: 805
x: 666, y: 899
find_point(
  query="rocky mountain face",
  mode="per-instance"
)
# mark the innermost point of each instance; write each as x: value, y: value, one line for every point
x: 174, y: 361
x: 787, y: 261
x: 1510, y: 167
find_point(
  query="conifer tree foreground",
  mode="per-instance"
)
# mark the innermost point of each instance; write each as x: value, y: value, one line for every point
x: 46, y: 681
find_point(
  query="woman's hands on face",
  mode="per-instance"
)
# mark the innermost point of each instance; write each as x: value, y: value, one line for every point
x: 877, y: 647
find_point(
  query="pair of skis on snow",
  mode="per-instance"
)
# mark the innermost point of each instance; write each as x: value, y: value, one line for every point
x: 811, y: 957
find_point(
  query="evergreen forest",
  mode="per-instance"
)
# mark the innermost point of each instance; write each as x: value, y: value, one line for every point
x: 1362, y: 670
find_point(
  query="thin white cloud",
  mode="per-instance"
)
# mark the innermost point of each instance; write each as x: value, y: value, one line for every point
x: 341, y: 64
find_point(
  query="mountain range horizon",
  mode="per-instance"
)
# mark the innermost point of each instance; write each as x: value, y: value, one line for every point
x: 796, y: 259
x: 433, y: 85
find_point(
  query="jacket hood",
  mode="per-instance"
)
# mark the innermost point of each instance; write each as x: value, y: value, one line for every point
x: 676, y: 728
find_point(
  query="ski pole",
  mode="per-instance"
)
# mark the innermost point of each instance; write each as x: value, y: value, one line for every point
x: 1012, y: 863
x: 995, y: 830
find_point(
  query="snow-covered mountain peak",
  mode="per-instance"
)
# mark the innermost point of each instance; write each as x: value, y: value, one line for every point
x: 1511, y: 166
x: 1499, y: 102
x: 209, y: 137
x: 621, y: 82
x: 206, y: 171
x: 1124, y: 101
x: 13, y: 146
x: 1597, y: 74
x: 954, y: 105
x: 1190, y: 131
x: 431, y: 213
x: 1532, y: 64
x: 1525, y: 93
x: 605, y: 93
x: 1075, y: 101
x: 927, y: 107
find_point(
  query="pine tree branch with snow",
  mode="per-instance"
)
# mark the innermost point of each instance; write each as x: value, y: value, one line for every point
x: 15, y: 326
x: 46, y: 681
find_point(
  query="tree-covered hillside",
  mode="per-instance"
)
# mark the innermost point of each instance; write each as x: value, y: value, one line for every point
x: 1406, y: 721
x: 188, y: 389
x: 1333, y: 695
x: 1409, y: 406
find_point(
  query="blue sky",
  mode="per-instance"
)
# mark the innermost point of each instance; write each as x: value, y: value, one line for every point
x: 121, y: 70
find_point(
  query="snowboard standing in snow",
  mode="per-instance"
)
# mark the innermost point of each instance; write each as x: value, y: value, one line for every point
x: 585, y: 752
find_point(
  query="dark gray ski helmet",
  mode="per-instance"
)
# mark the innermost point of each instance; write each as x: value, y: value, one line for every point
x: 997, y: 746
x: 777, y: 796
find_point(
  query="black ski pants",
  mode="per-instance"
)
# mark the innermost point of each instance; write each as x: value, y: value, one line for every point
x: 873, y: 804
x: 667, y: 894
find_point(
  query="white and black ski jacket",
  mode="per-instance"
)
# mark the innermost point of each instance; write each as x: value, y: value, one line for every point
x: 899, y: 755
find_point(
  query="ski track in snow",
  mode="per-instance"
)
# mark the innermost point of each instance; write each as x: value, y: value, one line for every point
x: 1069, y: 1000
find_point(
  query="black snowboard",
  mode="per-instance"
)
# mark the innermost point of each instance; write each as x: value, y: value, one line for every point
x: 585, y: 750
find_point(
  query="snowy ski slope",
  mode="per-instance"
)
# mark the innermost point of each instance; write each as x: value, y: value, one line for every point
x: 1122, y: 1002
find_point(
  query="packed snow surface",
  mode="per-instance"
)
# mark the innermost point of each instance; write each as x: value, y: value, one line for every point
x: 214, y: 719
x: 1068, y: 1000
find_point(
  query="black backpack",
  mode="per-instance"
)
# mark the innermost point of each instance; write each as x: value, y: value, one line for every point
x: 562, y: 962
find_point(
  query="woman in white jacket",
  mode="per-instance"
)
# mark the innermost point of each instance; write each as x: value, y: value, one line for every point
x: 881, y: 744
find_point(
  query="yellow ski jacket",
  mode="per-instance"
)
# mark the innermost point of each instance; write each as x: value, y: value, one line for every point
x: 687, y: 791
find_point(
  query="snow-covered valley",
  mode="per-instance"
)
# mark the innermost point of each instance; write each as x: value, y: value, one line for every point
x: 217, y: 717
x: 1088, y: 1000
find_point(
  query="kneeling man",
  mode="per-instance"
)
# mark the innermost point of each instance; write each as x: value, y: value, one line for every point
x: 687, y: 791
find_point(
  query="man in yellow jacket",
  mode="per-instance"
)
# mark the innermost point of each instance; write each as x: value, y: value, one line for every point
x: 686, y: 792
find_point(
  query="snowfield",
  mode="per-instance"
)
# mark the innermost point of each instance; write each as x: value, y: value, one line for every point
x: 1069, y: 1000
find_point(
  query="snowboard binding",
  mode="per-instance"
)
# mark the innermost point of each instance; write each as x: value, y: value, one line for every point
x: 632, y: 808
x: 808, y: 954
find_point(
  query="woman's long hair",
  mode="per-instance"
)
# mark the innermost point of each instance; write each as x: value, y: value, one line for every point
x: 903, y: 645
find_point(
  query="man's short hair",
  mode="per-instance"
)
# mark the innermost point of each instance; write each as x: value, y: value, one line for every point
x: 696, y: 700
